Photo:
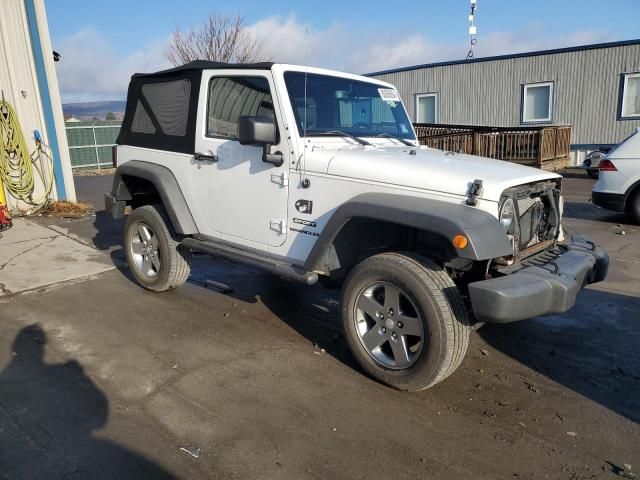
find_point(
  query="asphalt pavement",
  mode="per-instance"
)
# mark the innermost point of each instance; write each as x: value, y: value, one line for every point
x: 102, y: 379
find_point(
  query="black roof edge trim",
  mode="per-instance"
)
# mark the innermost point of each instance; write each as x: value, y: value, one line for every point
x: 207, y: 65
x: 578, y: 48
x: 591, y: 146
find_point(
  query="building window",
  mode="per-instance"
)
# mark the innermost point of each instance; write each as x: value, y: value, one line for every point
x: 631, y: 96
x: 427, y: 108
x: 537, y: 102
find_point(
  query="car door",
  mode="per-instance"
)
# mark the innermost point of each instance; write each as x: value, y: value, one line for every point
x: 239, y: 196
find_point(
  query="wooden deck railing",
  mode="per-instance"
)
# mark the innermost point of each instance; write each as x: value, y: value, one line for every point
x: 543, y: 147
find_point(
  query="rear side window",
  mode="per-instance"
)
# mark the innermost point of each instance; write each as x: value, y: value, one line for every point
x: 142, y: 121
x: 168, y: 103
x: 232, y: 97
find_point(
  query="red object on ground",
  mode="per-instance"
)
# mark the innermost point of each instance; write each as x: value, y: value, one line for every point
x: 5, y: 219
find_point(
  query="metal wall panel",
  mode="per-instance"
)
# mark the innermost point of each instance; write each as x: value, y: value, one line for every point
x: 586, y: 90
x: 20, y: 86
x: 18, y: 83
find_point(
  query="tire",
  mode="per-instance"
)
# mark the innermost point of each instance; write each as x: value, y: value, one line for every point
x: 635, y: 206
x: 429, y: 305
x: 168, y: 264
x: 593, y: 174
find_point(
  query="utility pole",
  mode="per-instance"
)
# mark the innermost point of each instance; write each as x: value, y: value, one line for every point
x: 472, y: 29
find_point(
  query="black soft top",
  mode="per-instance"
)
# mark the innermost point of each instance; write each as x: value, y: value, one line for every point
x: 206, y: 65
x: 162, y: 106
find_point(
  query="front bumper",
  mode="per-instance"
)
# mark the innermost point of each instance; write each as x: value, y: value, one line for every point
x: 542, y: 289
x: 609, y: 201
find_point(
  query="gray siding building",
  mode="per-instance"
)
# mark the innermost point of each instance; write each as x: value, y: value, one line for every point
x: 593, y: 88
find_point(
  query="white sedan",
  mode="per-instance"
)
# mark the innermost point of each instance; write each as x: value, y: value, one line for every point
x: 618, y: 185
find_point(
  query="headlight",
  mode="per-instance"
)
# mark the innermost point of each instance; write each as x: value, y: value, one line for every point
x: 508, y: 216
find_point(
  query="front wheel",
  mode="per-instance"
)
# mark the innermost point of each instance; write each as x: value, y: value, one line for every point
x: 404, y: 320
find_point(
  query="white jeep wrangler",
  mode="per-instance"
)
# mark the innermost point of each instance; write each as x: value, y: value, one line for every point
x: 309, y: 173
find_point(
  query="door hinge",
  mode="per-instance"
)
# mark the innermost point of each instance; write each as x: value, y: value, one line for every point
x: 278, y: 225
x: 280, y: 178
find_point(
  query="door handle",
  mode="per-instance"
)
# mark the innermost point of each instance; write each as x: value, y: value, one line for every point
x: 202, y: 157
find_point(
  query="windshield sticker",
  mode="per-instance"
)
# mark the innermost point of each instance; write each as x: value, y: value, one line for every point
x: 389, y: 95
x: 403, y: 128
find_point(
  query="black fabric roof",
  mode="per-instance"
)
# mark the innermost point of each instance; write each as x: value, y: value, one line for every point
x: 157, y: 138
x: 206, y: 65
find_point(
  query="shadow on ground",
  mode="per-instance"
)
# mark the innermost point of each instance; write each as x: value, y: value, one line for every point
x: 108, y: 234
x: 592, y: 350
x: 48, y: 416
x: 584, y: 211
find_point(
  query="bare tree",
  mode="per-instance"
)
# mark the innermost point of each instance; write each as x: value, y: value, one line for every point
x: 220, y: 39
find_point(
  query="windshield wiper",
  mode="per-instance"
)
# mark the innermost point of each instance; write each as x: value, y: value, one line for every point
x: 340, y: 134
x: 388, y: 135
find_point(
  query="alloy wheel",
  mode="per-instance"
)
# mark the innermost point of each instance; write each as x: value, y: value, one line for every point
x: 145, y: 250
x: 389, y: 325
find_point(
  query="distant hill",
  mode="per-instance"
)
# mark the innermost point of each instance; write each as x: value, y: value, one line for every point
x: 92, y: 109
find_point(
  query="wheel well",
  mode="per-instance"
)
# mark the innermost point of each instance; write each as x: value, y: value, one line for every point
x: 363, y: 237
x: 143, y: 192
x: 630, y: 196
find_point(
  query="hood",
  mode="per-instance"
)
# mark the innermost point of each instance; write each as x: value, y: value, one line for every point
x: 428, y: 169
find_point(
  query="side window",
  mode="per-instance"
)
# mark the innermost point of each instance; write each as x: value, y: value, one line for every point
x: 141, y: 120
x: 232, y: 97
x: 169, y: 103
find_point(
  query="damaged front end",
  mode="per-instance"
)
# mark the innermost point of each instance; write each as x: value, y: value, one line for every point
x: 544, y: 275
x: 531, y: 216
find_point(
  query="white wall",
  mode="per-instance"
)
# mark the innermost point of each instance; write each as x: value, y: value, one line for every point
x: 19, y: 84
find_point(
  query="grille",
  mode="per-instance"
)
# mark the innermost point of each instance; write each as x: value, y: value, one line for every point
x: 531, y: 211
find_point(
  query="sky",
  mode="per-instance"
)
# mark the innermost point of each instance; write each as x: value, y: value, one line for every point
x: 104, y: 42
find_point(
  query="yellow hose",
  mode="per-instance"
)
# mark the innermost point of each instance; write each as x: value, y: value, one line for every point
x: 18, y: 168
x: 3, y: 199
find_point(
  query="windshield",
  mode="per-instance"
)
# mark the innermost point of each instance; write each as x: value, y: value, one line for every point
x: 335, y: 104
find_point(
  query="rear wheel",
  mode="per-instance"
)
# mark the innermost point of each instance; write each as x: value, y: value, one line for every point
x: 593, y: 173
x: 156, y: 258
x: 404, y: 320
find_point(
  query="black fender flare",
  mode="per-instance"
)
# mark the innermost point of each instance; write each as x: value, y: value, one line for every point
x: 167, y: 186
x: 486, y: 236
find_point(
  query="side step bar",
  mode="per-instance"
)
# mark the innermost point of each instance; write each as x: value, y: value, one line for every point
x: 255, y: 259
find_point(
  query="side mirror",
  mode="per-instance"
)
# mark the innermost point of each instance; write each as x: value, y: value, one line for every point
x: 259, y: 132
x: 256, y: 131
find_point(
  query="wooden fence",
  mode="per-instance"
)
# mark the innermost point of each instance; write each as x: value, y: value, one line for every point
x: 543, y: 147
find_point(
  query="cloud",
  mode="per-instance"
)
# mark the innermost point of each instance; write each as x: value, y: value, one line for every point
x: 287, y: 40
x: 340, y: 47
x: 92, y: 70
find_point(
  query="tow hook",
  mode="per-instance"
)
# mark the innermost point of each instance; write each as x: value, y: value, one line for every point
x: 474, y: 192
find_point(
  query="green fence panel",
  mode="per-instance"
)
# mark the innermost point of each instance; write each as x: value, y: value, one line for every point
x: 90, y: 143
x: 82, y: 157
